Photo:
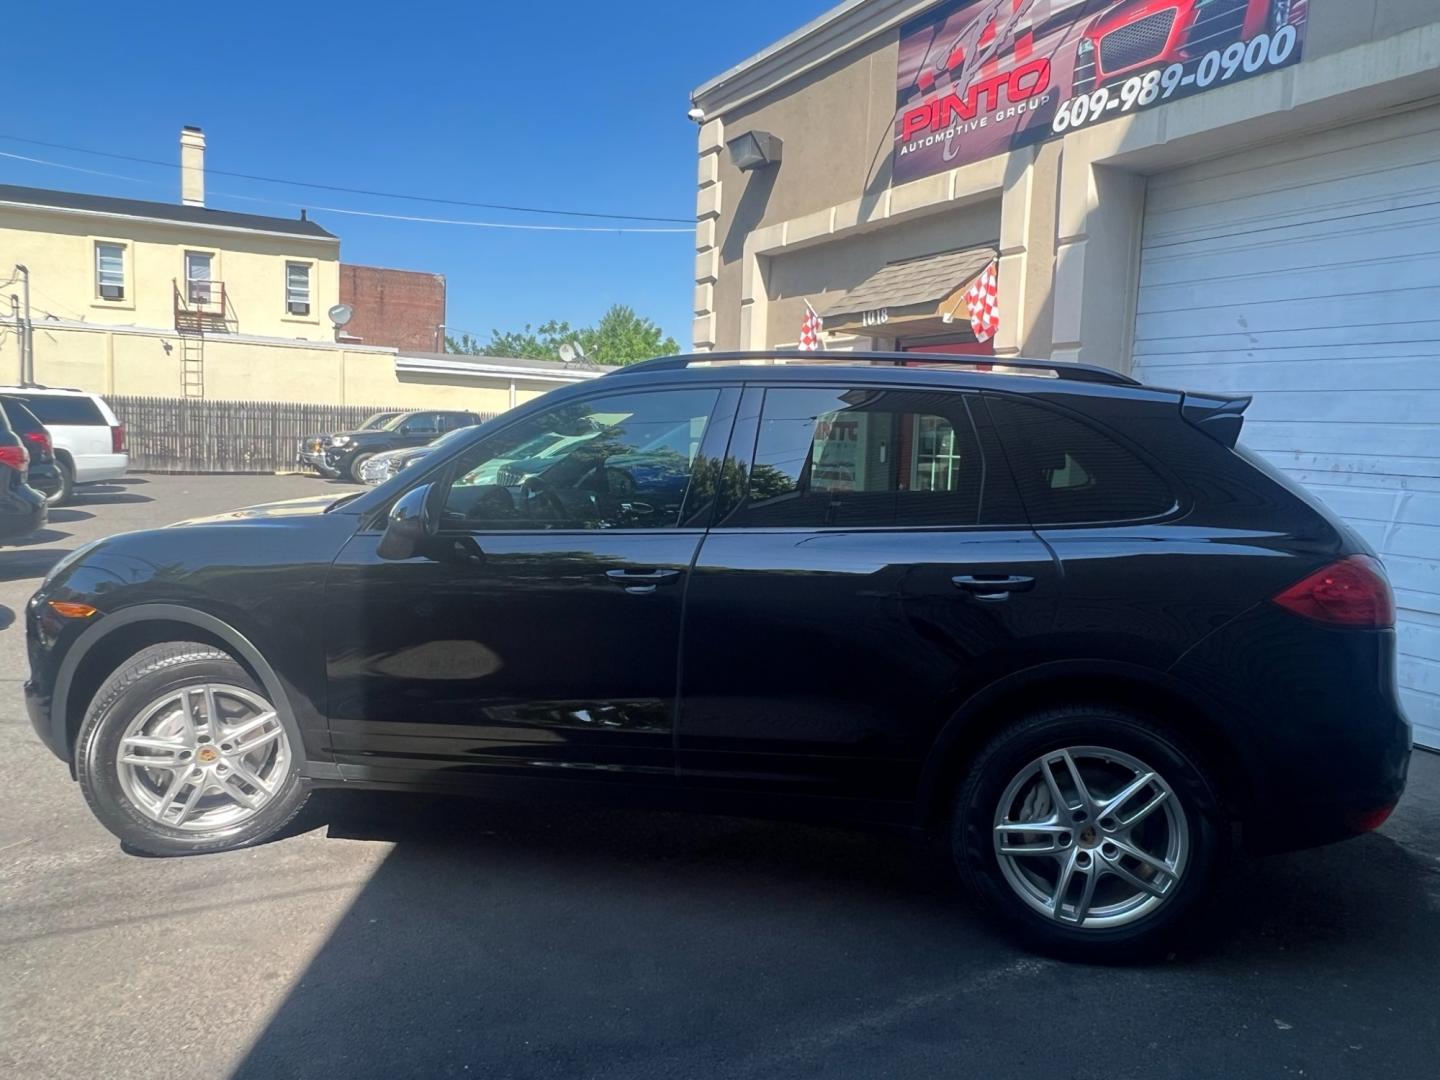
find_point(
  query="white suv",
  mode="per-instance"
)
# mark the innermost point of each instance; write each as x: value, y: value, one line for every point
x: 89, y: 439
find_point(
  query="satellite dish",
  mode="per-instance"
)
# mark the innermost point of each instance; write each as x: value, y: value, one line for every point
x: 580, y: 350
x: 567, y: 353
x: 341, y: 314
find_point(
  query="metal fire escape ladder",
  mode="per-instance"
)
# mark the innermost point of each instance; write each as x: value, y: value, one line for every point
x: 192, y: 362
x: 199, y: 306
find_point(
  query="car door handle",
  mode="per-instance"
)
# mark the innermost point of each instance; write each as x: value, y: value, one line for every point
x: 642, y: 582
x: 992, y: 587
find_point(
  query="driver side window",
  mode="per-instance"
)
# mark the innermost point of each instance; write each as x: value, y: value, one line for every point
x: 619, y: 461
x: 424, y: 424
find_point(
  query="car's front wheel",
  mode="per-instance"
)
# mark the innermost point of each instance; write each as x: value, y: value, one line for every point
x: 1092, y: 832
x: 357, y: 465
x: 182, y: 752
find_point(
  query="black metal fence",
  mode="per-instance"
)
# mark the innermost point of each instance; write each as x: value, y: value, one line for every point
x: 197, y: 435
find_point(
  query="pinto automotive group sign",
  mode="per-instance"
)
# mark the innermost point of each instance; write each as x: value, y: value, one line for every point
x: 980, y: 77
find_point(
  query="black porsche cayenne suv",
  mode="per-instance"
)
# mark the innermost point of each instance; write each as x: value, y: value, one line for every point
x: 1045, y: 609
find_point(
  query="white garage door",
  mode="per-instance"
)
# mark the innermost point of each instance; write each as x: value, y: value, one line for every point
x: 1308, y: 274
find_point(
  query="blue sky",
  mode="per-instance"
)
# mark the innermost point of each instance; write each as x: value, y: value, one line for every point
x: 560, y: 104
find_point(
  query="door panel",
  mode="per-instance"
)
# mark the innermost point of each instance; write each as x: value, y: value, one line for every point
x: 826, y: 639
x: 538, y: 633
x: 826, y: 662
x: 510, y: 651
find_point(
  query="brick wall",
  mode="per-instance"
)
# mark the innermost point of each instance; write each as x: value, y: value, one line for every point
x: 398, y: 308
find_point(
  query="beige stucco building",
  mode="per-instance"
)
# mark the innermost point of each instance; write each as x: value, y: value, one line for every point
x: 130, y: 297
x: 1239, y: 196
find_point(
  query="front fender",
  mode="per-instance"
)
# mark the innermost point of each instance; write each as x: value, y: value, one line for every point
x: 237, y: 643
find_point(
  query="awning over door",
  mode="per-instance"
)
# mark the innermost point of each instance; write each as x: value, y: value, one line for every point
x: 928, y: 291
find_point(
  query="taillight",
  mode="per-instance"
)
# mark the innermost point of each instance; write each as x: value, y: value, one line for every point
x: 1351, y: 592
x: 15, y: 456
x: 41, y: 439
x: 117, y: 438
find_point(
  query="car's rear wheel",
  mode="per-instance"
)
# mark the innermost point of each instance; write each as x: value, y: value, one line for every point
x: 182, y: 752
x: 1092, y: 832
x: 67, y: 484
x: 357, y: 465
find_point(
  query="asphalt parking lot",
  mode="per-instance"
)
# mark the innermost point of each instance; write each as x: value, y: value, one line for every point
x: 398, y: 935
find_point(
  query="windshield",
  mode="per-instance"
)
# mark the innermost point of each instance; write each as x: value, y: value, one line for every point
x: 376, y: 420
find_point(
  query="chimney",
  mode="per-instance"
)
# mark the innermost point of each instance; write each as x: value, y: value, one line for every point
x: 192, y: 166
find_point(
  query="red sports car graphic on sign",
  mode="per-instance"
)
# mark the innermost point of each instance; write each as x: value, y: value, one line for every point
x: 1136, y: 35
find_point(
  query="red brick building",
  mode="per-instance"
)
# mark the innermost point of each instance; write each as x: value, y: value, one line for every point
x: 404, y: 309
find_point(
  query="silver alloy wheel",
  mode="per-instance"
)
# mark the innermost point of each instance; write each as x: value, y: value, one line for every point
x: 1091, y: 837
x: 203, y: 757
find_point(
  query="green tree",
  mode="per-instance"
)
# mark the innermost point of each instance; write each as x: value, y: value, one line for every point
x: 620, y: 337
x: 623, y: 337
x: 464, y: 344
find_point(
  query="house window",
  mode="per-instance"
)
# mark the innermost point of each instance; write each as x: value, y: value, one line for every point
x: 197, y: 276
x: 297, y: 288
x: 110, y: 271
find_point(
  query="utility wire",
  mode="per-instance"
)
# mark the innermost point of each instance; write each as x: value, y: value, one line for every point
x: 350, y: 190
x: 520, y: 226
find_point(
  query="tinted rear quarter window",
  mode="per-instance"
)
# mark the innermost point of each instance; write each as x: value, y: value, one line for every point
x: 1071, y: 472
x: 63, y: 410
x: 20, y: 418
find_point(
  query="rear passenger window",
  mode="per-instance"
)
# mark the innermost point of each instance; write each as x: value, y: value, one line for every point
x: 863, y: 457
x: 1071, y: 473
x: 63, y: 410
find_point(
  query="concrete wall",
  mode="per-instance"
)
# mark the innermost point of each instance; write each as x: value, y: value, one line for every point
x: 1068, y: 213
x: 59, y: 249
x: 118, y: 361
x: 401, y: 309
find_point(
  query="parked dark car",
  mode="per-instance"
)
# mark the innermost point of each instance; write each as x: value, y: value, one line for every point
x: 22, y: 508
x: 345, y: 453
x: 45, y: 475
x: 310, y: 453
x: 1053, y: 613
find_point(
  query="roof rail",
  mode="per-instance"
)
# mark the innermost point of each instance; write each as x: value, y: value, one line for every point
x: 1089, y: 373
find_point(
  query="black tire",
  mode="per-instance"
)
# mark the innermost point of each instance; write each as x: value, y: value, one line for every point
x: 357, y: 465
x: 1010, y: 752
x: 67, y: 484
x: 144, y: 677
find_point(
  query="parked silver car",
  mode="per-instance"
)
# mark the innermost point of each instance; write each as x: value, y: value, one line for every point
x: 382, y: 467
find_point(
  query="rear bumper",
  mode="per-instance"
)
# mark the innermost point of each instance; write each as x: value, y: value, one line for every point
x: 1315, y: 719
x: 22, y: 512
x: 93, y: 468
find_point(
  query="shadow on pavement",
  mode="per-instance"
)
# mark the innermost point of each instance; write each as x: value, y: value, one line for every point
x: 41, y: 536
x: 515, y: 941
x: 65, y: 515
x: 17, y: 564
x: 7, y: 617
x: 106, y: 494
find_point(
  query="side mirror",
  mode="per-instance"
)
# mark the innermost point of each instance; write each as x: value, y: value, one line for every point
x: 412, y: 522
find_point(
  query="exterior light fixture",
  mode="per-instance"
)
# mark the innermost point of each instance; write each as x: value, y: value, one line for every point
x: 754, y: 150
